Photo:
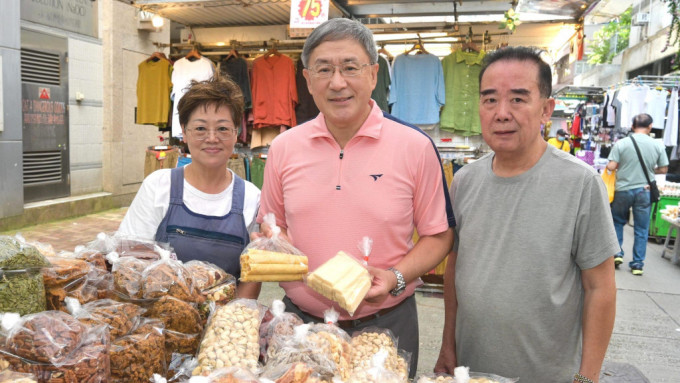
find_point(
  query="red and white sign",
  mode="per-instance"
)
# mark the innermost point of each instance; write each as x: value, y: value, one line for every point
x: 308, y: 13
x: 44, y: 93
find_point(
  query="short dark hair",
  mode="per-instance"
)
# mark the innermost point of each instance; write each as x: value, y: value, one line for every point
x: 642, y: 120
x: 522, y: 54
x: 218, y: 91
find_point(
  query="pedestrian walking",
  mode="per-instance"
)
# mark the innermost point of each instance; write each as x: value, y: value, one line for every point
x: 636, y: 159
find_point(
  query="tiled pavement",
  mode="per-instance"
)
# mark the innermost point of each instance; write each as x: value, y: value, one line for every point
x: 67, y: 234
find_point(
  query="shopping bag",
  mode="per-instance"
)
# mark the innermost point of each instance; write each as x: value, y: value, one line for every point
x: 609, y: 178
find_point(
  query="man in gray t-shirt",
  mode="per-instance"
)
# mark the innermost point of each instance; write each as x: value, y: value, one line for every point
x: 632, y: 189
x: 529, y: 288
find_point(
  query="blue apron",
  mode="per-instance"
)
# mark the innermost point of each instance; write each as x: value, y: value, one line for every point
x: 218, y: 240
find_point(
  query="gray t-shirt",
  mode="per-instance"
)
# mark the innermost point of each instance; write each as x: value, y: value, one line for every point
x: 629, y: 174
x: 522, y: 242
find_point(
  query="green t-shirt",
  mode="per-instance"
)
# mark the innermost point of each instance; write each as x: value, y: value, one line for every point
x: 461, y: 82
x: 382, y: 87
x: 629, y: 174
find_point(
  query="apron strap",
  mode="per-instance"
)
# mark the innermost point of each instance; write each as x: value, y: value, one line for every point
x: 238, y: 195
x: 177, y: 186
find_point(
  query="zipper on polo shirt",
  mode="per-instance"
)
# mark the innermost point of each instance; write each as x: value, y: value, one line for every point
x: 341, y: 156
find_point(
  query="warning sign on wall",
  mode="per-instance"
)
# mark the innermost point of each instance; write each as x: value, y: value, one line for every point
x: 308, y: 13
x: 44, y: 93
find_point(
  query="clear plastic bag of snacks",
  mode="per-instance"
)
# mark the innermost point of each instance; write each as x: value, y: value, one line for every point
x: 277, y: 324
x: 231, y: 337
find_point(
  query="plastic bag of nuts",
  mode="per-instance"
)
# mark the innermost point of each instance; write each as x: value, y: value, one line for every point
x: 277, y: 324
x: 227, y: 375
x: 231, y: 337
x: 45, y: 337
x: 179, y: 343
x: 462, y: 374
x: 313, y: 349
x: 118, y: 316
x: 177, y: 315
x: 367, y: 342
x: 377, y: 373
x: 136, y: 357
x: 88, y: 363
x: 218, y: 295
x: 96, y: 284
x: 127, y: 274
x: 169, y: 277
x: 206, y: 274
x: 16, y: 377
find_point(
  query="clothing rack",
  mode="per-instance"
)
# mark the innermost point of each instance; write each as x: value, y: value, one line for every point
x: 667, y: 82
x: 243, y: 47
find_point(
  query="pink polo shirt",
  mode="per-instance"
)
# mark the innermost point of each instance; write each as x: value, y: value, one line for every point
x: 386, y: 182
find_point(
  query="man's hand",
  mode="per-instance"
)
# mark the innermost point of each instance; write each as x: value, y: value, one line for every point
x: 446, y: 361
x: 383, y: 282
x: 266, y: 232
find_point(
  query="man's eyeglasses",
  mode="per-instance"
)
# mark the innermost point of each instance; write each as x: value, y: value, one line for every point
x: 223, y: 133
x: 348, y: 69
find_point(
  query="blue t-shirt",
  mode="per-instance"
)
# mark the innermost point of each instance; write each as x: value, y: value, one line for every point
x: 417, y: 89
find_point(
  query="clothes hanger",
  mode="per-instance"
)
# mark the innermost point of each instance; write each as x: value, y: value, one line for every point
x: 193, y: 54
x: 157, y: 56
x: 385, y: 52
x: 418, y: 47
x: 272, y: 51
x: 232, y: 53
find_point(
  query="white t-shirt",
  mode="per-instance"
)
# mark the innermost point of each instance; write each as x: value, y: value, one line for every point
x: 183, y: 71
x: 153, y: 199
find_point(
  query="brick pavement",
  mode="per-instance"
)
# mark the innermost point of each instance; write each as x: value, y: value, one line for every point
x: 67, y: 234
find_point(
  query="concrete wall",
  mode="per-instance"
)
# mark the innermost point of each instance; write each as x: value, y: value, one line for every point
x: 11, y: 173
x: 85, y: 117
x: 124, y: 142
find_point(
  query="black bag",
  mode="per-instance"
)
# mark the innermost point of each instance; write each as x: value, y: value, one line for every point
x: 654, y: 193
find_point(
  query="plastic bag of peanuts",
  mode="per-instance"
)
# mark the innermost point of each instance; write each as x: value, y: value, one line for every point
x: 231, y: 337
x: 463, y: 375
x: 377, y: 373
x: 367, y: 342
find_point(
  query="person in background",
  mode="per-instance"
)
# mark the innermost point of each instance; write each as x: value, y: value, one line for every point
x: 561, y: 141
x: 529, y: 290
x: 355, y: 171
x: 203, y: 209
x: 632, y: 190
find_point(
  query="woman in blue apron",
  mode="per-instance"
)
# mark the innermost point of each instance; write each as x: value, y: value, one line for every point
x: 203, y: 209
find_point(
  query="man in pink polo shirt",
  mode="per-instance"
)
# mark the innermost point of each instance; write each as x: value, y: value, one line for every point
x: 352, y: 172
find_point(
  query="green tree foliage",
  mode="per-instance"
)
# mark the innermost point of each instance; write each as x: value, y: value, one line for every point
x: 602, y: 50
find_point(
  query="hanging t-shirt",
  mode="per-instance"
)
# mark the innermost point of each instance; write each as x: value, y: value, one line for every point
x: 670, y: 133
x: 306, y: 108
x: 461, y: 77
x: 183, y: 72
x: 632, y: 99
x: 274, y: 91
x: 382, y: 87
x: 237, y: 69
x: 153, y: 91
x: 655, y: 105
x: 608, y: 111
x: 417, y: 90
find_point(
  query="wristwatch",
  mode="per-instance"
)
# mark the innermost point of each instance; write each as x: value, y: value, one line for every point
x: 401, y: 282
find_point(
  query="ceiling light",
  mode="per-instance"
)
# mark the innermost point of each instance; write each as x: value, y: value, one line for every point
x: 157, y: 21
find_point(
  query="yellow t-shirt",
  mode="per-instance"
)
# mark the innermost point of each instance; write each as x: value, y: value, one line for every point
x: 153, y: 92
x: 564, y: 145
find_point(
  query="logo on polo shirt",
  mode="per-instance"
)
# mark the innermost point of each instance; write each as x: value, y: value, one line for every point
x: 376, y: 176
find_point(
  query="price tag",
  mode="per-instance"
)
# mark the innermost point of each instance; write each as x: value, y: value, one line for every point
x: 308, y: 13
